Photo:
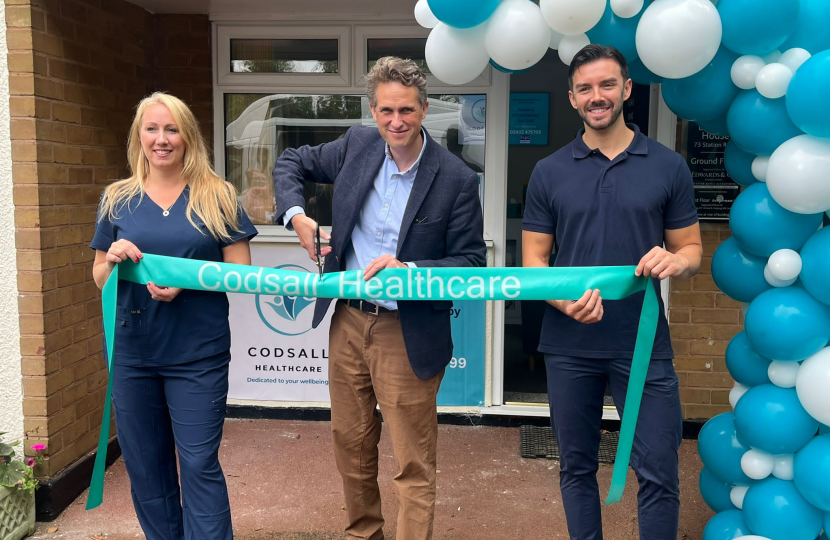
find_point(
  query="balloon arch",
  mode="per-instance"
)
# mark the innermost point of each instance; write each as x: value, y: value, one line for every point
x: 757, y: 71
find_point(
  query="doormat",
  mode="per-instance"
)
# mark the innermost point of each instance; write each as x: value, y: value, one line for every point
x: 540, y: 442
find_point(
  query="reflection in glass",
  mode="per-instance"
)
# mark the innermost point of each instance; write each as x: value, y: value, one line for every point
x: 284, y: 56
x: 411, y: 48
x: 259, y: 127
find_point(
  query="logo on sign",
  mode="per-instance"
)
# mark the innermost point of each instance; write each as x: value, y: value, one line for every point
x: 524, y: 139
x: 286, y: 315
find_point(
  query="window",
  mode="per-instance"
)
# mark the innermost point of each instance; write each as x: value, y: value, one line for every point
x: 284, y: 56
x: 373, y: 42
x: 259, y: 127
x: 412, y: 48
x: 275, y: 55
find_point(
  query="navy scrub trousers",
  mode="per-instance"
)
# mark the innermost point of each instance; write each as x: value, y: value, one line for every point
x: 159, y: 409
x: 576, y: 387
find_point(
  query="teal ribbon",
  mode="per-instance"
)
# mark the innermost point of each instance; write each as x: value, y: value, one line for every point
x: 614, y: 282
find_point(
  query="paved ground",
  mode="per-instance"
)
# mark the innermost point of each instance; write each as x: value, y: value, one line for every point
x: 284, y: 486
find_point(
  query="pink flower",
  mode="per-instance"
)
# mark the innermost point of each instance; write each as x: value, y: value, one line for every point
x: 31, y: 462
x: 38, y: 447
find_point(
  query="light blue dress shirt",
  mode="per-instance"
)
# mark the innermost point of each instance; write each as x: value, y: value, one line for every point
x: 377, y: 228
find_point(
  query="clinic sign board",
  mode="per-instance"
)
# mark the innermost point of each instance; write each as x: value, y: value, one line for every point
x: 529, y: 116
x: 277, y: 356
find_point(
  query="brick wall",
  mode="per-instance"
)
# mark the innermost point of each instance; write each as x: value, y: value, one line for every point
x: 702, y: 321
x: 76, y: 71
x: 183, y: 65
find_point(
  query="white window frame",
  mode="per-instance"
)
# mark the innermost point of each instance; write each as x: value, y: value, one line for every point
x: 222, y: 52
x: 363, y: 33
x: 354, y: 57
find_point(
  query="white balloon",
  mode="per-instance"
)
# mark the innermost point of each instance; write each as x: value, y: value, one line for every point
x: 785, y: 264
x: 626, y: 8
x: 773, y: 79
x: 812, y: 383
x: 759, y: 168
x: 555, y: 38
x: 456, y: 55
x: 793, y: 58
x: 570, y: 45
x: 745, y: 70
x: 517, y: 36
x: 737, y: 496
x: 773, y: 57
x: 756, y: 464
x: 424, y: 15
x: 783, y: 468
x: 569, y: 17
x: 678, y: 38
x: 783, y: 374
x: 735, y: 394
x: 774, y: 281
x: 798, y: 176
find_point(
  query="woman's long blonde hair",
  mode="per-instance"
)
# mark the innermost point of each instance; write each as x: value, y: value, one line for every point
x: 212, y: 199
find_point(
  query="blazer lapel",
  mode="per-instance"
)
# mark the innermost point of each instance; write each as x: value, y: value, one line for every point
x: 369, y: 165
x: 427, y: 170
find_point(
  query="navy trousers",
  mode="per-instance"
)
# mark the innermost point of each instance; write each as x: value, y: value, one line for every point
x: 162, y: 409
x: 576, y: 387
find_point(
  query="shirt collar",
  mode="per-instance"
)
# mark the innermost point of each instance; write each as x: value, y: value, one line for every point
x: 414, y: 166
x: 639, y: 144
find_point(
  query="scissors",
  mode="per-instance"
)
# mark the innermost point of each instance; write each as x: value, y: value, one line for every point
x: 319, y: 253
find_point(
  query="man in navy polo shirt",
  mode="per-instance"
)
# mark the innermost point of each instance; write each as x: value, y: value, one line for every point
x: 611, y: 197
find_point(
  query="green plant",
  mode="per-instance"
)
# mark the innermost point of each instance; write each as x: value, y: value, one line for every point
x: 19, y: 472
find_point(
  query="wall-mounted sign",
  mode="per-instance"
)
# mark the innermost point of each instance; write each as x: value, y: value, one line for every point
x: 529, y: 116
x: 715, y: 191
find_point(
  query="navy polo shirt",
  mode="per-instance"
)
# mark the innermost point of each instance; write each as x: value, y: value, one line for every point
x: 608, y: 213
x: 195, y: 324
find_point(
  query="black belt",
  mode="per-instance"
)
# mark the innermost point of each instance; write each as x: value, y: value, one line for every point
x: 367, y: 307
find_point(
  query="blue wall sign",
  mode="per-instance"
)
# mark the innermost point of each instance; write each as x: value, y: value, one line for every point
x: 529, y: 115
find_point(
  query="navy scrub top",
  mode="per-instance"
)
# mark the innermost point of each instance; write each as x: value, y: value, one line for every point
x: 608, y: 213
x: 195, y: 324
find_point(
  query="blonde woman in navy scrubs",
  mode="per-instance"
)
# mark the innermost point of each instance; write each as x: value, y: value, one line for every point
x: 172, y: 345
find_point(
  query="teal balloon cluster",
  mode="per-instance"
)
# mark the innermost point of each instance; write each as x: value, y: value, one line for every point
x: 766, y: 466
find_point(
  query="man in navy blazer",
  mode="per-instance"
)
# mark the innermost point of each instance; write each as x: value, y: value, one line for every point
x: 400, y: 199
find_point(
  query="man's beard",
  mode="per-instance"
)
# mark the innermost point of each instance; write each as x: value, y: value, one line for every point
x: 616, y: 111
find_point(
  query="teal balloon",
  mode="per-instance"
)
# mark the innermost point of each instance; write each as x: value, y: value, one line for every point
x: 738, y: 164
x: 726, y: 525
x: 640, y: 74
x: 823, y: 429
x: 759, y: 125
x: 773, y: 508
x: 808, y: 87
x: 744, y: 364
x: 787, y: 323
x: 617, y: 32
x: 757, y: 26
x: 715, y: 126
x: 762, y: 226
x: 811, y: 32
x: 721, y: 451
x: 811, y: 472
x: 771, y: 419
x: 815, y: 265
x: 715, y: 492
x: 462, y: 13
x: 705, y: 95
x: 740, y: 275
x: 508, y: 71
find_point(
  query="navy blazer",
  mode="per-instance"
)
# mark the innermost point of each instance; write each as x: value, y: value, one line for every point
x: 444, y: 195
